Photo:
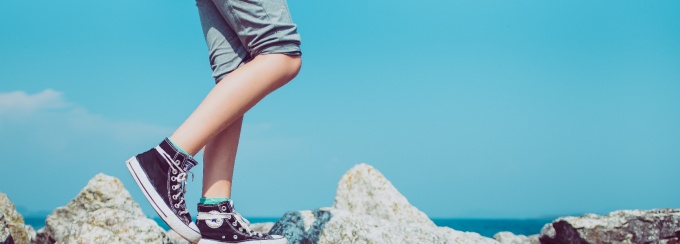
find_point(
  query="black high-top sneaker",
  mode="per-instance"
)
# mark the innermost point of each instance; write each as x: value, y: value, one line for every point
x: 220, y: 223
x: 161, y: 173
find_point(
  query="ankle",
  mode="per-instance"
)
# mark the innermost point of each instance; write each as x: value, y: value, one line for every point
x: 178, y: 147
x: 213, y: 200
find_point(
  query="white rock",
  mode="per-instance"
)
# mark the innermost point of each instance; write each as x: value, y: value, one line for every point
x: 30, y: 231
x: 103, y: 212
x: 505, y: 237
x: 455, y: 236
x: 5, y: 235
x: 624, y: 226
x: 13, y: 220
x: 330, y: 225
x: 176, y: 238
x: 368, y: 209
x: 365, y: 191
x: 264, y: 227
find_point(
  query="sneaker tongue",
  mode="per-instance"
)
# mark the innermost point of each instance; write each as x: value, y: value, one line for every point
x: 226, y: 206
x: 186, y: 161
x: 188, y: 164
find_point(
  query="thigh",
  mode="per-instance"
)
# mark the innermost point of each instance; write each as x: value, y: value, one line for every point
x: 225, y: 50
x: 262, y: 26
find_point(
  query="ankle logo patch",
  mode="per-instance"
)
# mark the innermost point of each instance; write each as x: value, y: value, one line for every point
x: 214, y: 223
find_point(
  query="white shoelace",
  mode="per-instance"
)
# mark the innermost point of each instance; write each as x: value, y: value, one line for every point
x: 181, y: 180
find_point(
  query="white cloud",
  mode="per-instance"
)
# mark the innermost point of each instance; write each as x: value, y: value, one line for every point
x: 20, y: 102
x: 49, y: 113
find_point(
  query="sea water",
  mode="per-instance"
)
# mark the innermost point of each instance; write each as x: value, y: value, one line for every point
x: 485, y: 227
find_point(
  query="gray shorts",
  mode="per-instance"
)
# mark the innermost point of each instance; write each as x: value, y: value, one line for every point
x: 238, y: 30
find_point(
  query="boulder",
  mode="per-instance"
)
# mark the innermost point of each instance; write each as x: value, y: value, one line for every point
x: 365, y: 191
x: 262, y: 227
x: 330, y: 225
x: 5, y: 235
x: 368, y: 209
x: 13, y: 220
x: 455, y: 236
x: 625, y: 226
x: 103, y: 212
x: 506, y: 237
x: 31, y: 232
x: 176, y: 238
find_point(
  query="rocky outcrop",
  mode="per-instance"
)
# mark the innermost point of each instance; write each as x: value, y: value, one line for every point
x: 262, y: 227
x: 32, y: 234
x: 5, y: 235
x: 103, y: 212
x: 365, y: 191
x: 176, y: 238
x: 505, y: 237
x: 14, y: 222
x: 626, y: 226
x: 368, y: 209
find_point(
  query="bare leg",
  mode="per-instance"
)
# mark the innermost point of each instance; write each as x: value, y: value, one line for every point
x: 216, y: 123
x: 218, y: 158
x: 233, y: 96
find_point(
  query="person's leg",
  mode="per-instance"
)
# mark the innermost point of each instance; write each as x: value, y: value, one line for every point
x: 233, y: 41
x: 218, y: 161
x: 161, y: 172
x: 265, y: 30
x: 221, y: 20
x: 233, y: 96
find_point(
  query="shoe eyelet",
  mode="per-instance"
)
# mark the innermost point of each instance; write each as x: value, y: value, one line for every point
x: 176, y: 205
x: 174, y: 197
x: 235, y: 237
x: 234, y: 224
x: 177, y: 162
x: 223, y: 208
x: 174, y: 171
x: 172, y: 178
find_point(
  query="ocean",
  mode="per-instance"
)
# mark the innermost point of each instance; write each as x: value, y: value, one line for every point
x: 485, y: 227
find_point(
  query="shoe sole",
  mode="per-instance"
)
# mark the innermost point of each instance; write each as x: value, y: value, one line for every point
x: 277, y: 241
x: 158, y: 204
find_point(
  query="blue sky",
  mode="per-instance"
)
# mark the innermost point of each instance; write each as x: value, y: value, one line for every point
x: 483, y: 109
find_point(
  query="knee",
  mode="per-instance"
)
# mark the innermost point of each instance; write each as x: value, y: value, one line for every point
x: 286, y: 67
x: 290, y: 66
x: 294, y: 63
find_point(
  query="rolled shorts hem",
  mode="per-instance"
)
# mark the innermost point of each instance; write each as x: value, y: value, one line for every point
x: 287, y: 49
